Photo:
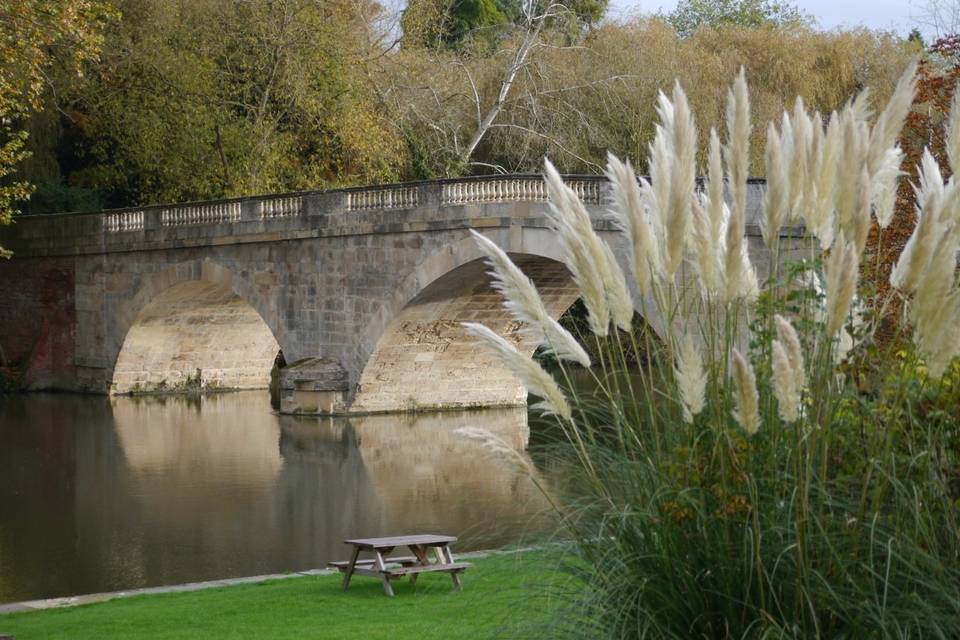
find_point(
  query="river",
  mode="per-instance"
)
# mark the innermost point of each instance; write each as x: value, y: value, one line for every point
x: 101, y: 494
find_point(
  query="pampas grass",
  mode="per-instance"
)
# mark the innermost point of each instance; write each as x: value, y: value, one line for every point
x: 753, y: 478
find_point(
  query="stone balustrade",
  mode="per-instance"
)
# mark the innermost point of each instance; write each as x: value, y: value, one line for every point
x: 120, y: 221
x: 337, y: 211
x: 213, y: 213
x: 281, y: 207
x: 513, y: 189
x: 399, y: 197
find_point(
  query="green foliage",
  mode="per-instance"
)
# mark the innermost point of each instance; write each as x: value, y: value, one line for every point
x: 453, y: 24
x: 34, y: 34
x: 691, y: 15
x: 212, y: 99
x: 478, y: 25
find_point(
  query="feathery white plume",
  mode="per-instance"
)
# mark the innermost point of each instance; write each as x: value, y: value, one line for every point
x: 842, y: 271
x: 933, y: 200
x: 890, y: 121
x: 676, y: 143
x: 796, y: 150
x: 634, y: 219
x: 934, y: 310
x: 885, y: 186
x: 531, y: 375
x: 579, y: 245
x: 776, y: 195
x: 737, y: 158
x: 850, y: 165
x: 524, y: 303
x: 497, y: 447
x: 710, y: 216
x: 615, y: 286
x: 747, y: 412
x: 788, y: 337
x: 821, y: 213
x: 861, y: 212
x: 691, y: 378
x: 594, y: 268
x: 785, y: 386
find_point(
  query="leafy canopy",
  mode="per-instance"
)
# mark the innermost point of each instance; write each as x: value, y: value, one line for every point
x: 34, y: 34
x: 690, y: 15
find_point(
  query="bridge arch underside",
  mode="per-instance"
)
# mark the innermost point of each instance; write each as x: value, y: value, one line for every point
x: 425, y: 359
x: 195, y: 335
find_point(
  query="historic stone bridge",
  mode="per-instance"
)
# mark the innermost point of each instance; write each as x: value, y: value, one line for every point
x: 363, y: 290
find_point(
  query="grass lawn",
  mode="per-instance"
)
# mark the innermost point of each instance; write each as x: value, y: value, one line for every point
x: 504, y: 596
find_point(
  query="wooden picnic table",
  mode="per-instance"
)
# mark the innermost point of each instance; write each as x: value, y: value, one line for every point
x: 419, y: 546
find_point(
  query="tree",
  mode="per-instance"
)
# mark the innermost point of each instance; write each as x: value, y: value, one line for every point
x: 34, y: 34
x: 459, y: 24
x: 690, y: 15
x: 451, y: 23
x: 941, y: 17
x: 214, y: 98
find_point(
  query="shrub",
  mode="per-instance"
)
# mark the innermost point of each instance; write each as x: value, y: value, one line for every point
x: 764, y: 473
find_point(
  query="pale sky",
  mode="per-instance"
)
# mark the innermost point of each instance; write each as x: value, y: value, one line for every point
x: 894, y: 15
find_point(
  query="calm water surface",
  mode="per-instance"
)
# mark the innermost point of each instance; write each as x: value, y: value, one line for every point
x: 99, y: 494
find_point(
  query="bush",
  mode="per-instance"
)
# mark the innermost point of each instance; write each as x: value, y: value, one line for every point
x: 765, y: 473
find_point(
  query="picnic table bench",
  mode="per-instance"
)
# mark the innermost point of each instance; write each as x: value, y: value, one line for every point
x: 385, y: 568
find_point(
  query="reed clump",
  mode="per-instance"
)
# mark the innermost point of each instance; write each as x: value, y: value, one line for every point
x: 743, y: 481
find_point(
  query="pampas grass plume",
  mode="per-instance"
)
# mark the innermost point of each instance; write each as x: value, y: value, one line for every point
x: 737, y: 158
x: 635, y: 222
x: 577, y: 239
x: 785, y: 386
x: 787, y: 335
x: 775, y: 197
x: 691, y: 378
x: 842, y: 271
x: 891, y: 119
x: 531, y: 375
x: 747, y: 412
x: 497, y: 447
x: 913, y: 260
x: 524, y: 303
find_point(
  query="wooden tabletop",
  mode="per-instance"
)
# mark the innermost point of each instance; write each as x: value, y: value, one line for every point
x: 426, y: 540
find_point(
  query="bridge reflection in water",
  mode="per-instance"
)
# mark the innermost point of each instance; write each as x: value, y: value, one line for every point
x: 100, y: 494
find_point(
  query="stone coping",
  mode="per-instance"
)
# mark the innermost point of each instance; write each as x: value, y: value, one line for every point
x: 74, y: 601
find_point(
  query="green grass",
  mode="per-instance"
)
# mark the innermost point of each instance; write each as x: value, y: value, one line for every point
x: 503, y: 596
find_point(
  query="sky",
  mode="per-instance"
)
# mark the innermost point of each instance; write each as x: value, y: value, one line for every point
x: 895, y: 15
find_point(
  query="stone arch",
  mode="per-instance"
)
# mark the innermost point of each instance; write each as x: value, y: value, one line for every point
x: 193, y: 325
x: 415, y: 355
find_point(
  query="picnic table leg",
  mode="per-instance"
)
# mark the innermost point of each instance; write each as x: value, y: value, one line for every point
x: 421, y: 554
x: 453, y: 574
x: 350, y: 567
x: 384, y: 576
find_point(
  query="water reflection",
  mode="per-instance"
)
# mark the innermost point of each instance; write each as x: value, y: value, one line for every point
x: 99, y: 494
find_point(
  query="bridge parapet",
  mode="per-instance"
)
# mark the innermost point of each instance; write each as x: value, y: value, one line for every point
x: 381, y: 208
x: 408, y: 206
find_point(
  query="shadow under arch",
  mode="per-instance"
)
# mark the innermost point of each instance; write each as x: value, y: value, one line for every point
x: 189, y: 328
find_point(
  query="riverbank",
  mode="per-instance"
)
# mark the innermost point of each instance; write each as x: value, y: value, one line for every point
x: 503, y: 596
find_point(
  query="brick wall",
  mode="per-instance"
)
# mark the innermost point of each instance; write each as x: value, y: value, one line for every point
x: 38, y: 320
